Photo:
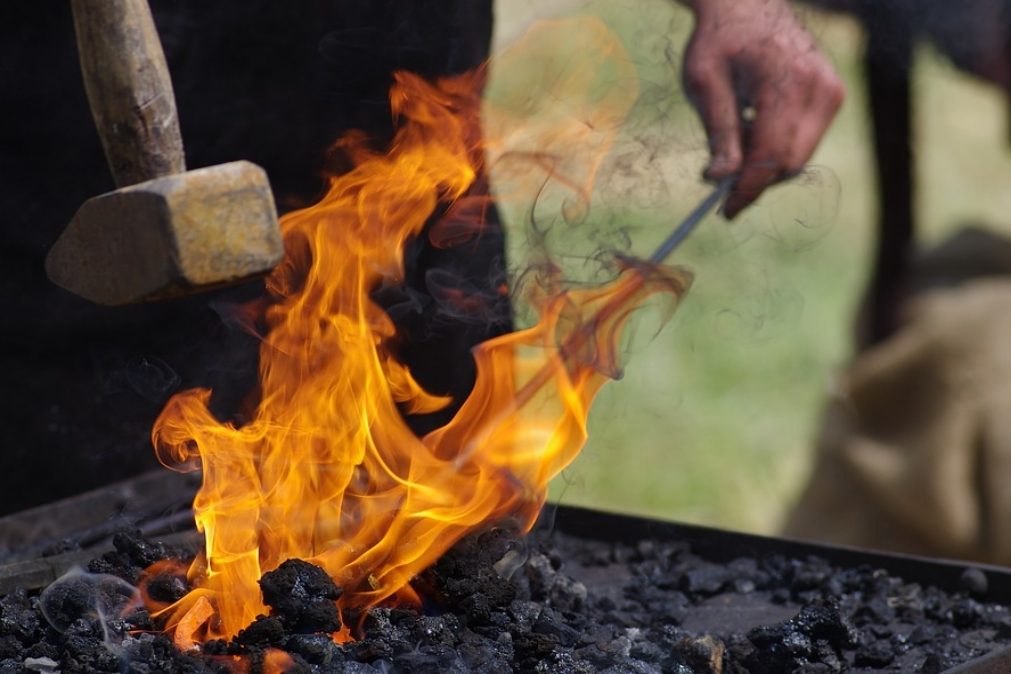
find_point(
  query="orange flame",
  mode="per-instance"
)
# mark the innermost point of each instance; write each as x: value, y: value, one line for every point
x: 276, y: 662
x: 327, y: 470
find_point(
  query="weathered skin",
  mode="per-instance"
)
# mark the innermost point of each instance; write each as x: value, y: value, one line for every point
x: 169, y: 236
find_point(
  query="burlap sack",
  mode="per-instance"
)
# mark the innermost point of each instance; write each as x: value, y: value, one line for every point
x: 915, y: 449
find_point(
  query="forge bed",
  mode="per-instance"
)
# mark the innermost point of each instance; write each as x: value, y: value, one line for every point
x: 586, y: 592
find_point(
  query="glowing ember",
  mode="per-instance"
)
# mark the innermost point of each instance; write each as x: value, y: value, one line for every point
x: 327, y: 470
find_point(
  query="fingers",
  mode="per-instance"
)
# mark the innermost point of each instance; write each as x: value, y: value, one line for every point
x: 709, y: 83
x: 793, y: 113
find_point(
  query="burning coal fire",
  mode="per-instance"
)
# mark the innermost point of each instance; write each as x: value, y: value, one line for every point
x: 327, y: 470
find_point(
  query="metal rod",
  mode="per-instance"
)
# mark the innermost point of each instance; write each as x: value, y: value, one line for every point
x: 688, y: 225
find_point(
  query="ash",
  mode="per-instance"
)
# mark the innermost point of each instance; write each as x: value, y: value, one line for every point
x: 500, y: 604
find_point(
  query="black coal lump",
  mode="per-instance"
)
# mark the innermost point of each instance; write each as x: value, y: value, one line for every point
x: 11, y: 666
x: 10, y: 647
x: 938, y: 661
x: 433, y: 659
x: 816, y: 634
x: 316, y: 649
x: 150, y: 653
x: 167, y: 588
x: 876, y: 654
x: 966, y: 613
x: 705, y: 580
x: 533, y: 647
x: 302, y: 595
x: 18, y: 617
x: 264, y: 631
x: 138, y: 550
x: 133, y: 553
x: 83, y: 649
x: 468, y: 579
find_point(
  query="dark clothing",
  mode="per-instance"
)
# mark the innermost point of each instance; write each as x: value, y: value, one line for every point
x: 272, y: 82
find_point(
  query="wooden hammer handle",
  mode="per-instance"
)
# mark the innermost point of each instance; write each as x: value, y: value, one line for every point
x: 129, y: 89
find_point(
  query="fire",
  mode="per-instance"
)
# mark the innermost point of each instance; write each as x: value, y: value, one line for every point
x: 327, y: 470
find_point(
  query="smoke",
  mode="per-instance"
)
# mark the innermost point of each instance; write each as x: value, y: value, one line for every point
x: 99, y: 600
x: 560, y: 101
x: 626, y: 168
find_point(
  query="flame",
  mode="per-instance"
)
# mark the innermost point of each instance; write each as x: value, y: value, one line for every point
x: 327, y: 470
x: 276, y: 662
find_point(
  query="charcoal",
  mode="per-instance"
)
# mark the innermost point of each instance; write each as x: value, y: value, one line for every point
x: 815, y: 634
x: 155, y: 654
x: 876, y: 610
x: 500, y: 605
x: 705, y: 581
x: 938, y: 661
x: 42, y: 650
x: 371, y: 650
x: 359, y: 668
x: 525, y: 613
x: 877, y: 655
x: 468, y: 578
x: 18, y: 618
x: 647, y: 651
x: 551, y: 624
x: 1003, y: 629
x: 302, y: 595
x: 533, y: 647
x: 10, y: 647
x: 85, y: 651
x: 264, y: 631
x: 132, y: 554
x: 436, y: 630
x: 378, y: 623
x: 167, y: 588
x: 437, y: 659
x: 486, y: 655
x: 138, y: 550
x: 561, y: 662
x: 965, y: 613
x: 78, y: 595
x: 140, y: 619
x: 316, y: 649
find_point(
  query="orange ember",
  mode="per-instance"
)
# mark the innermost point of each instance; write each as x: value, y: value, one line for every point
x: 327, y: 470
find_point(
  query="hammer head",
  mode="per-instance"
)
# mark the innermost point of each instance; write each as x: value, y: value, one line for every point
x: 170, y: 236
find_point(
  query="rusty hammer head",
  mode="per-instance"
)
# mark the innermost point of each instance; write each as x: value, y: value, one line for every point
x: 170, y: 236
x: 166, y: 231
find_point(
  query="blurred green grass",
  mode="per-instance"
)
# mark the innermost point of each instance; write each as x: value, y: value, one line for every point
x: 714, y: 421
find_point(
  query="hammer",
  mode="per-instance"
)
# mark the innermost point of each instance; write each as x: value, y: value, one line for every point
x: 165, y: 231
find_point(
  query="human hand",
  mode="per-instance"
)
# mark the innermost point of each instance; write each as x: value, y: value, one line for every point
x: 752, y: 56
